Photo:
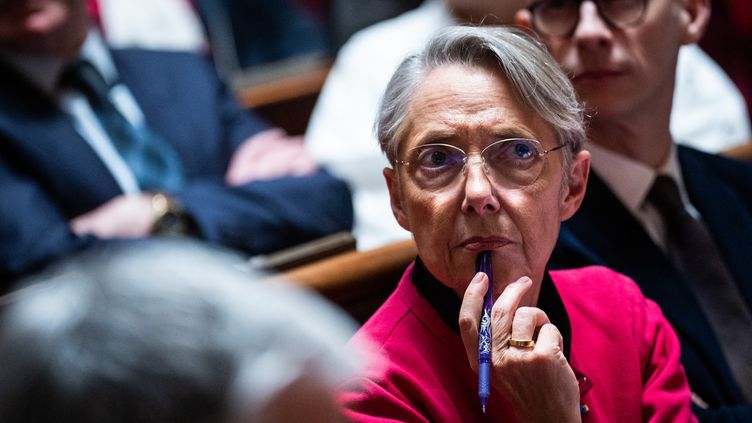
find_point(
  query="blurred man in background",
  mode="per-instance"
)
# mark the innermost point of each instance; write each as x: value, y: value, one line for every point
x: 676, y: 220
x: 97, y: 143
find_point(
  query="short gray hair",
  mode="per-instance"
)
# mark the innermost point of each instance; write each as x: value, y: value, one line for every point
x: 163, y: 332
x: 535, y: 76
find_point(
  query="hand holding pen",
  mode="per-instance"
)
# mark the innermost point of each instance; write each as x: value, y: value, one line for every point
x: 531, y: 373
x: 483, y: 264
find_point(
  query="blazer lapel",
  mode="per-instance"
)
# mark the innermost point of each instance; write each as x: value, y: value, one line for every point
x: 725, y: 213
x: 43, y: 141
x: 605, y: 230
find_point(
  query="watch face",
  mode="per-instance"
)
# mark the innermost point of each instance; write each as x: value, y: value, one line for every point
x: 170, y: 218
x: 171, y: 223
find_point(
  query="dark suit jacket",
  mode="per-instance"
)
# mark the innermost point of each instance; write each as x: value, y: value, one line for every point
x: 604, y: 232
x: 49, y: 174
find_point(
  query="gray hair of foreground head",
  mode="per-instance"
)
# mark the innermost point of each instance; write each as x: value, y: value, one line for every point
x: 534, y: 75
x: 162, y: 332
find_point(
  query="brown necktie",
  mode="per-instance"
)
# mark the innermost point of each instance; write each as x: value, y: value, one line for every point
x: 693, y: 251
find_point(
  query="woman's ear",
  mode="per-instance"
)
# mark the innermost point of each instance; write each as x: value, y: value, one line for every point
x: 574, y: 191
x: 395, y: 198
x: 695, y: 17
x: 523, y: 19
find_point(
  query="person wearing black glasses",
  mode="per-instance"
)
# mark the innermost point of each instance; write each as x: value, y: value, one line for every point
x: 676, y: 220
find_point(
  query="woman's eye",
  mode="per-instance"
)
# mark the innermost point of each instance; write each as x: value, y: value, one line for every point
x: 517, y: 154
x: 437, y: 157
x: 511, y: 150
x: 522, y: 150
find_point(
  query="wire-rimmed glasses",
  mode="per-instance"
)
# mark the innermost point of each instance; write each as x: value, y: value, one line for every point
x: 559, y: 18
x: 513, y: 163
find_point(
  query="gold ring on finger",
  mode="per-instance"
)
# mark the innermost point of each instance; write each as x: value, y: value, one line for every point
x: 521, y: 343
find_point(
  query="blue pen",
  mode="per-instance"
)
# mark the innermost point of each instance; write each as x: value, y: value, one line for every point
x: 483, y: 264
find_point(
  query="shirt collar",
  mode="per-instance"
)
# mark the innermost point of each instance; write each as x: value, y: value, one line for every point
x: 447, y: 305
x: 632, y: 191
x: 95, y: 51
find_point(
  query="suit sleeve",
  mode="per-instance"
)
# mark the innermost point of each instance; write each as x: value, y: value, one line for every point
x: 263, y: 216
x: 266, y: 216
x: 32, y: 228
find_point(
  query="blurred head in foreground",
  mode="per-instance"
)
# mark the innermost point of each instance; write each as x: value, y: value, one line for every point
x: 168, y: 332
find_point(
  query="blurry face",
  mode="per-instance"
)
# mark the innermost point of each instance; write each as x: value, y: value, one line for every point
x: 471, y: 108
x: 618, y: 71
x: 486, y: 11
x: 56, y: 27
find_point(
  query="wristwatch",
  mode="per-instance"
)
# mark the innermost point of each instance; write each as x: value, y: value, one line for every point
x: 169, y: 216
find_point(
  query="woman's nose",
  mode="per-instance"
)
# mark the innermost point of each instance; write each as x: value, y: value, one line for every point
x: 480, y: 193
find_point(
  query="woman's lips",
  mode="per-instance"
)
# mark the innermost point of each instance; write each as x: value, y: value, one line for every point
x: 485, y: 243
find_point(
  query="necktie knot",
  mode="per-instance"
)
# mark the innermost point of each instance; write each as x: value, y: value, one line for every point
x: 665, y: 196
x: 84, y: 77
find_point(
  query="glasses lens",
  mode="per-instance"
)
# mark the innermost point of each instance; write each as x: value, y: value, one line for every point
x: 555, y: 17
x: 435, y: 165
x: 622, y: 12
x: 515, y: 162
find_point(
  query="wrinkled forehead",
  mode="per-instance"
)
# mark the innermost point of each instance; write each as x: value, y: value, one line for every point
x: 463, y: 105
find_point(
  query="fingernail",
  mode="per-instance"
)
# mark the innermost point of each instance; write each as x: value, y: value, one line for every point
x: 524, y: 280
x: 479, y: 277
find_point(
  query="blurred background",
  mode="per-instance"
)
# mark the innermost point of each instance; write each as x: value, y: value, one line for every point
x: 276, y: 54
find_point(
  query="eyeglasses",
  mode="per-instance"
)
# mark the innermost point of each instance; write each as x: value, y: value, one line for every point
x: 559, y: 18
x: 513, y: 163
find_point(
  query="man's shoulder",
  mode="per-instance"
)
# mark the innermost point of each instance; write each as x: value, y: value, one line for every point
x: 690, y: 157
x: 150, y: 57
x: 150, y: 72
x: 709, y: 169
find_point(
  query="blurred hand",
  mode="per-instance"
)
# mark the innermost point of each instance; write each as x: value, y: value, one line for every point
x: 122, y: 217
x: 269, y: 154
x: 537, y: 381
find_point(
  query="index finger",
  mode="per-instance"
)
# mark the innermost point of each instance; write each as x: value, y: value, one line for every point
x: 469, y: 318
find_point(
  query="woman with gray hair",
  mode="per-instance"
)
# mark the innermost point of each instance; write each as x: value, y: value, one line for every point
x: 485, y: 137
